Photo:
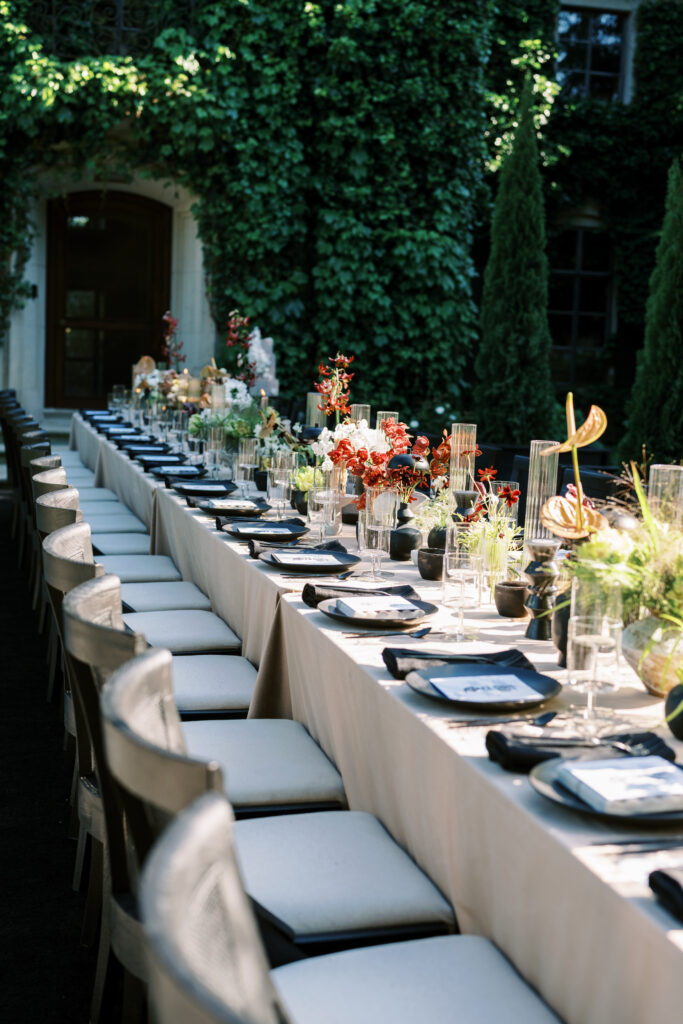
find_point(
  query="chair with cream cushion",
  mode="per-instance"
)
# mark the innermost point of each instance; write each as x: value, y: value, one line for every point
x: 121, y: 543
x: 119, y: 520
x: 94, y: 493
x: 70, y: 459
x: 206, y: 963
x: 320, y: 881
x: 163, y: 590
x: 96, y: 644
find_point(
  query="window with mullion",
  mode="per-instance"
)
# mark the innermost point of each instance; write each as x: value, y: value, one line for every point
x: 579, y: 301
x: 590, y: 47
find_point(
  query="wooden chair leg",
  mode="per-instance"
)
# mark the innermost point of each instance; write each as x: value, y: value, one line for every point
x: 93, y: 903
x: 134, y: 999
x: 106, y: 961
x: 81, y: 848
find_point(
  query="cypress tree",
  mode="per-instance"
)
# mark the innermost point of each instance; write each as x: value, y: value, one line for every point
x: 656, y: 405
x: 514, y: 395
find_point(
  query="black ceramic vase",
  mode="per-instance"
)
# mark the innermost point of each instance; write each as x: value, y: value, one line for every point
x: 509, y: 596
x: 542, y: 572
x: 560, y: 627
x: 430, y: 563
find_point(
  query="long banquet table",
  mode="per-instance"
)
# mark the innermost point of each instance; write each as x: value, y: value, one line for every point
x: 574, y: 915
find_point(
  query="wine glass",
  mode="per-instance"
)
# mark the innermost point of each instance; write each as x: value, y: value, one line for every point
x: 379, y: 520
x: 591, y: 598
x: 316, y: 505
x: 592, y: 642
x: 248, y: 461
x: 461, y: 574
x: 215, y: 445
x: 279, y: 488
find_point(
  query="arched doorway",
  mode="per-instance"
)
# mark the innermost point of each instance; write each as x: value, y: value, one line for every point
x: 108, y: 286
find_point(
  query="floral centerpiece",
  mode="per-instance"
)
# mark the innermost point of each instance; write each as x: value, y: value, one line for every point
x: 646, y: 563
x: 172, y: 347
x: 492, y: 529
x: 377, y: 458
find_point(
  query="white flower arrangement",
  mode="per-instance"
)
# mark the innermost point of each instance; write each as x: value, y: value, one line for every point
x: 359, y: 434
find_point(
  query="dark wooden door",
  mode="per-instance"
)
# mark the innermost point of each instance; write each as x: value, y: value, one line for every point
x: 108, y: 286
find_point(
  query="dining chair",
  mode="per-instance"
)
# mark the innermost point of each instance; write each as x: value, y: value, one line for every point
x: 206, y: 962
x: 320, y: 881
x: 96, y: 643
x: 271, y: 766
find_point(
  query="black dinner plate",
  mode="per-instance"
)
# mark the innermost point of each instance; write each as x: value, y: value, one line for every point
x: 204, y: 489
x: 423, y: 610
x: 342, y: 561
x: 279, y: 533
x: 543, y: 777
x: 234, y: 506
x: 545, y: 686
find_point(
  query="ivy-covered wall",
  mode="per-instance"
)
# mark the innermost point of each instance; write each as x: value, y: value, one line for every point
x: 336, y: 152
x: 343, y: 153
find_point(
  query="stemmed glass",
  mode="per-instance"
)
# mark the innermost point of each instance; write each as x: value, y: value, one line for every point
x: 248, y: 461
x: 375, y: 523
x: 279, y: 488
x: 216, y: 443
x: 461, y: 575
x: 592, y: 640
x: 317, y: 505
x: 595, y: 600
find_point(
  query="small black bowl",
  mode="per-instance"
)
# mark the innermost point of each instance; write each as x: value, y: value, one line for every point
x: 509, y: 597
x: 430, y: 563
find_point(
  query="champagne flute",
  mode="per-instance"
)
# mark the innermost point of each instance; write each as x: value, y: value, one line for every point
x: 461, y: 570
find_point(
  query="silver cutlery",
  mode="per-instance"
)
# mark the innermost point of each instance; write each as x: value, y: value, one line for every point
x: 539, y: 721
x: 416, y: 634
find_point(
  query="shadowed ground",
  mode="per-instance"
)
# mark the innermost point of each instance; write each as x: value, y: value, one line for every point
x: 47, y: 974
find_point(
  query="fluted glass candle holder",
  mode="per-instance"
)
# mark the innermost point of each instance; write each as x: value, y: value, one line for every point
x: 385, y: 414
x: 360, y: 412
x: 665, y: 494
x: 542, y: 485
x: 463, y: 451
x: 315, y: 417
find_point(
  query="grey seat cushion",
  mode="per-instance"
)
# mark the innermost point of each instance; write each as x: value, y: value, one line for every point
x: 266, y: 761
x: 80, y: 477
x: 95, y: 493
x: 150, y: 597
x: 140, y: 568
x: 333, y: 872
x: 206, y: 682
x: 115, y: 522
x: 452, y: 978
x: 121, y: 543
x: 69, y: 457
x: 184, y: 632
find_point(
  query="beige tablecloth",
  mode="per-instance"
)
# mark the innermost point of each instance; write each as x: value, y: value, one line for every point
x: 575, y: 918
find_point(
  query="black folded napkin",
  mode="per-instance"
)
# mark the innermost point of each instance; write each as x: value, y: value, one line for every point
x: 516, y: 756
x: 401, y: 661
x: 223, y: 521
x: 314, y: 593
x: 668, y: 888
x: 256, y: 547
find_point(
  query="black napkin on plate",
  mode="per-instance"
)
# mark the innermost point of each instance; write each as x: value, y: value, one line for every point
x: 515, y: 755
x: 223, y: 521
x: 256, y: 547
x: 668, y: 888
x: 314, y: 593
x: 401, y: 661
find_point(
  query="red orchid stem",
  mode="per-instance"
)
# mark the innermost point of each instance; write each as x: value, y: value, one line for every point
x: 571, y: 428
